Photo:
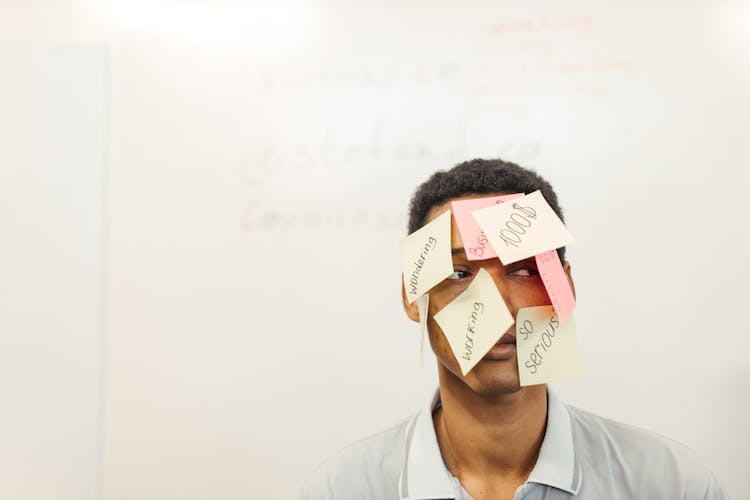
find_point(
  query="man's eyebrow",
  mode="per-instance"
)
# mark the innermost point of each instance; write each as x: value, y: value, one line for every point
x: 529, y: 262
x: 456, y: 251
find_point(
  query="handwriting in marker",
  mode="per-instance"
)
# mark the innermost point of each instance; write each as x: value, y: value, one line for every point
x: 475, y: 320
x: 516, y: 225
x: 522, y: 228
x: 482, y: 240
x: 426, y: 256
x: 545, y: 343
x: 475, y: 241
x: 470, y: 327
x: 526, y: 329
x: 414, y: 278
x: 547, y: 348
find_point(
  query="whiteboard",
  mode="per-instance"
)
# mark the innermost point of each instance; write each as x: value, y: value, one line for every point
x: 52, y: 137
x: 263, y: 160
x: 262, y: 157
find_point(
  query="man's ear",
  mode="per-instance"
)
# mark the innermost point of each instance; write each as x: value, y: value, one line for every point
x: 412, y: 310
x: 566, y: 268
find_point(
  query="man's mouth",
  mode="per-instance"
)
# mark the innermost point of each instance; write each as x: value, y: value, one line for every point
x: 503, y: 350
x: 508, y: 338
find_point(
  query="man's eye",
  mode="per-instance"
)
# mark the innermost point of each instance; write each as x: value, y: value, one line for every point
x: 523, y: 271
x: 457, y: 275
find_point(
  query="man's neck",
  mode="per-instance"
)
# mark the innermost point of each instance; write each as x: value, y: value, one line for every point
x: 490, y: 441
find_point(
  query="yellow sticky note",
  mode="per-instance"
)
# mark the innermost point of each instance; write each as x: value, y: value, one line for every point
x: 475, y: 320
x: 547, y: 350
x: 522, y: 228
x: 426, y: 255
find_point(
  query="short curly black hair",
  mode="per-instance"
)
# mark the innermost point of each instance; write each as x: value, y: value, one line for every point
x: 478, y: 177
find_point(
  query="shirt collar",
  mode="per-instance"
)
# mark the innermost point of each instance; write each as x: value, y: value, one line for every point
x: 425, y: 476
x: 557, y: 465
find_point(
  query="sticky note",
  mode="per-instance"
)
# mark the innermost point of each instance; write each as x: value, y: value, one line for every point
x: 475, y: 320
x: 423, y: 303
x: 475, y: 242
x: 426, y: 255
x: 556, y: 282
x: 547, y: 349
x: 522, y: 228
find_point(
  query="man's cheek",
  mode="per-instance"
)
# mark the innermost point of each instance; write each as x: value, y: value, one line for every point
x: 530, y: 294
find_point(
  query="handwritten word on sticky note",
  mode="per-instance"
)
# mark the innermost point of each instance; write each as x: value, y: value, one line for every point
x: 426, y: 255
x: 547, y: 349
x: 556, y: 282
x: 476, y: 244
x: 522, y: 228
x: 475, y: 320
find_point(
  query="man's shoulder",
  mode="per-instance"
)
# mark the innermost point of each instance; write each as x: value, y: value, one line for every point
x: 597, y: 433
x: 641, y: 458
x: 368, y: 468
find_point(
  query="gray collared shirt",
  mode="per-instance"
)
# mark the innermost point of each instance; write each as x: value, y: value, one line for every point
x: 583, y: 457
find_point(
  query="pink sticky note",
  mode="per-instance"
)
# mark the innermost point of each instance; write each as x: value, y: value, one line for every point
x: 475, y: 242
x: 556, y: 282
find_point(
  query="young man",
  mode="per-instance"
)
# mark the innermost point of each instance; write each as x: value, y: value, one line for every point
x: 484, y: 436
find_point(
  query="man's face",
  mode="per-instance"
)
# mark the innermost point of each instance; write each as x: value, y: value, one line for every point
x: 520, y: 286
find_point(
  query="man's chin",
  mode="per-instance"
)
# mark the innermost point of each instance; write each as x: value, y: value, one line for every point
x: 489, y: 389
x: 487, y: 378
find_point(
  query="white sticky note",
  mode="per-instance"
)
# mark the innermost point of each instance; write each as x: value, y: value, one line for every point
x: 547, y: 350
x: 475, y: 320
x: 426, y: 255
x: 423, y: 303
x: 522, y: 228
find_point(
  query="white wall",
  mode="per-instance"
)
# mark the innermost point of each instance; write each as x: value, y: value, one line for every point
x: 262, y: 156
x: 52, y: 126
